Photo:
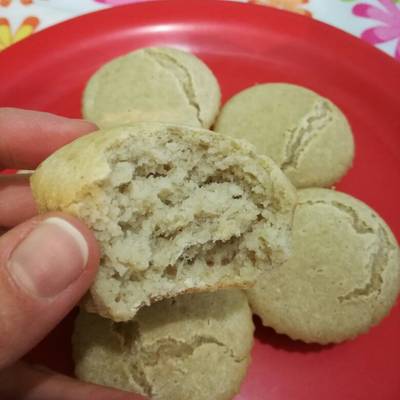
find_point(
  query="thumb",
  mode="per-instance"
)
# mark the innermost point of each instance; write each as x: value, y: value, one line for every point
x: 46, y: 265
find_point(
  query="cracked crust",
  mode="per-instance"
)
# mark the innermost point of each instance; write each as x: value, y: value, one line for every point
x: 301, y: 137
x: 175, y: 64
x: 342, y: 278
x: 196, y: 346
x: 304, y: 133
x: 174, y: 209
x: 152, y: 84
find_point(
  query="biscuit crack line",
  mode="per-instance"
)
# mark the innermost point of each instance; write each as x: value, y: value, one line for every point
x: 377, y: 266
x: 359, y: 226
x: 181, y: 349
x: 378, y: 259
x: 165, y: 61
x: 150, y: 355
x: 307, y: 130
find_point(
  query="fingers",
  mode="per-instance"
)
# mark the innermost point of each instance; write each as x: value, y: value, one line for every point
x: 28, y: 137
x: 17, y: 204
x: 46, y: 265
x: 29, y: 383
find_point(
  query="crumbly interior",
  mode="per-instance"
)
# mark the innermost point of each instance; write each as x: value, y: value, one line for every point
x: 177, y: 215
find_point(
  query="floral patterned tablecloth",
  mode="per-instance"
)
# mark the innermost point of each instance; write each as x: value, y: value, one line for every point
x: 375, y: 21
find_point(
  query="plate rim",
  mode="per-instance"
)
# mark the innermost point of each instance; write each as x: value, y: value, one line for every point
x: 234, y: 5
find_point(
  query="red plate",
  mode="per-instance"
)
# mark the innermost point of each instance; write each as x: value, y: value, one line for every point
x: 243, y: 45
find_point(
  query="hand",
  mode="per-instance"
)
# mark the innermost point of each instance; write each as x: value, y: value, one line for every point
x: 47, y: 262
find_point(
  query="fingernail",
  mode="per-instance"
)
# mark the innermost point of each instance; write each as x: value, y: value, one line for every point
x: 49, y: 259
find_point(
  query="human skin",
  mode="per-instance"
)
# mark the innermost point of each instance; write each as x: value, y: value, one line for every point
x: 34, y: 299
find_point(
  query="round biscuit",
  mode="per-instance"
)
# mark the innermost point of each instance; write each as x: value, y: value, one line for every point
x: 152, y: 84
x: 194, y: 347
x: 303, y: 132
x: 343, y: 275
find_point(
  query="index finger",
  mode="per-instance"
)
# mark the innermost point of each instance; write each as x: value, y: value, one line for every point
x: 28, y: 137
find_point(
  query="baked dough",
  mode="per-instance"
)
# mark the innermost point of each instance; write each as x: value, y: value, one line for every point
x: 175, y: 210
x: 192, y: 347
x: 342, y: 278
x: 304, y: 133
x: 152, y: 84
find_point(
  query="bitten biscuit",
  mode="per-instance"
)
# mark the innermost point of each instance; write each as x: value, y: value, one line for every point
x: 342, y: 278
x: 192, y: 347
x: 304, y: 133
x: 175, y: 210
x: 152, y: 84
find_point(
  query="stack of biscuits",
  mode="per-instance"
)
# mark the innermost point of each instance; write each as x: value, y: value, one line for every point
x: 200, y: 228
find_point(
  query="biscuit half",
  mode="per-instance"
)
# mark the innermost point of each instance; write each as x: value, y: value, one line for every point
x: 175, y: 210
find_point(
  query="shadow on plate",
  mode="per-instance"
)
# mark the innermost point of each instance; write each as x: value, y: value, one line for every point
x: 282, y: 342
x: 55, y: 351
